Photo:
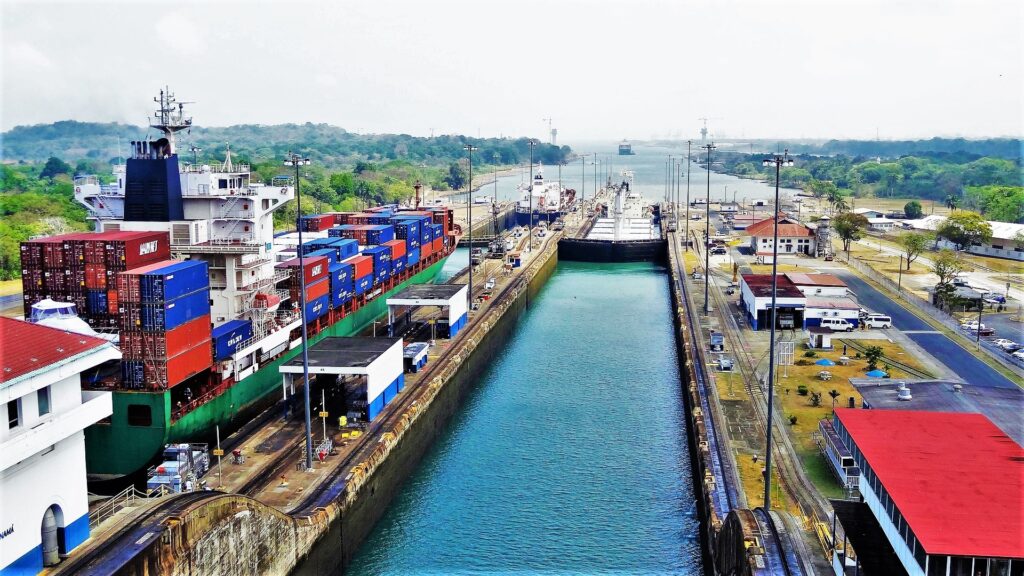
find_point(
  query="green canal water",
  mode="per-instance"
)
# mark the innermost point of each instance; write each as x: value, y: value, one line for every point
x: 570, y: 456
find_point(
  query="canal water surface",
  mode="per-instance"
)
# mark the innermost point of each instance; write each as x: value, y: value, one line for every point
x: 569, y: 457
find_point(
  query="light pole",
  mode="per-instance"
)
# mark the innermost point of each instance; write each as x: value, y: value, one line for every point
x: 778, y: 161
x: 292, y: 159
x: 583, y: 182
x: 469, y: 208
x: 529, y: 228
x: 595, y: 174
x: 689, y: 166
x: 707, y: 231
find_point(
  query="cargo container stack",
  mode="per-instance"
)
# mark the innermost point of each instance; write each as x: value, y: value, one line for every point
x: 340, y: 280
x: 312, y: 280
x: 316, y: 222
x: 82, y: 268
x: 398, y: 256
x: 362, y: 273
x: 164, y: 321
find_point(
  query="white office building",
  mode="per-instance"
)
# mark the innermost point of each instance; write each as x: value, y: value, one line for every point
x: 43, y: 502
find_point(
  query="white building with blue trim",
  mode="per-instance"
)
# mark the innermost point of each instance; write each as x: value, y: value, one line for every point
x: 44, y: 507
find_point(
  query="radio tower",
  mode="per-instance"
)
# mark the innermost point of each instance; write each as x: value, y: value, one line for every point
x: 553, y: 131
x: 170, y: 117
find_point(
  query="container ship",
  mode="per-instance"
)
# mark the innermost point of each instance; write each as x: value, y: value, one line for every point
x: 550, y: 200
x: 184, y: 269
x: 625, y: 148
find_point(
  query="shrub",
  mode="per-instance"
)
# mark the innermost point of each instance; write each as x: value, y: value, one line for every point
x: 815, y: 398
x: 803, y: 362
x: 857, y: 355
x: 801, y: 390
x: 810, y: 354
x: 792, y: 420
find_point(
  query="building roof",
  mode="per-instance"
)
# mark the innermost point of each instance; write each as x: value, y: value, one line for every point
x: 429, y: 292
x: 787, y: 228
x: 1003, y: 406
x: 841, y: 303
x: 882, y: 220
x: 801, y: 279
x: 336, y: 352
x: 761, y: 286
x: 867, y: 211
x: 29, y: 347
x: 1000, y: 230
x: 956, y: 478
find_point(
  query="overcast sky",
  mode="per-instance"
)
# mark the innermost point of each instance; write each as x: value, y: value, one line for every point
x: 608, y: 69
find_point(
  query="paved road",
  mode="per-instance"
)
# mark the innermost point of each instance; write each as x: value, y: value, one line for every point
x: 949, y: 352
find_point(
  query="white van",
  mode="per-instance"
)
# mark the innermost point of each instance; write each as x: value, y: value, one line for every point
x: 837, y: 324
x: 878, y: 321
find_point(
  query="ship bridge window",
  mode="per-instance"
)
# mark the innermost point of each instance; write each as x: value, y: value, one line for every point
x: 140, y: 415
x: 222, y: 183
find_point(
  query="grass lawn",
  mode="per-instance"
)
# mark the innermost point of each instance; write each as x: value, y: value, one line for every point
x: 751, y: 476
x: 767, y: 268
x: 8, y: 287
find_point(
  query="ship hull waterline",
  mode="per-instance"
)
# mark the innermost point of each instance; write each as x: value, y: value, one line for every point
x: 117, y: 450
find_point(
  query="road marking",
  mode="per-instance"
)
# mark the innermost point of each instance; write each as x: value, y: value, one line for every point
x: 921, y: 332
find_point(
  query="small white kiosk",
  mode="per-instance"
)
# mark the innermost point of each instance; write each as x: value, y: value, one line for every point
x: 451, y: 296
x: 380, y: 360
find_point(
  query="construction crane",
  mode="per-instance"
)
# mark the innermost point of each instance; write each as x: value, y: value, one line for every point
x: 704, y: 130
x: 553, y: 131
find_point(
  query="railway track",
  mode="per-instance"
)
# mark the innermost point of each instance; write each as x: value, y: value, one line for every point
x: 894, y: 363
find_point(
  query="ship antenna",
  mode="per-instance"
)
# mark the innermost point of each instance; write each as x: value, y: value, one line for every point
x: 170, y: 117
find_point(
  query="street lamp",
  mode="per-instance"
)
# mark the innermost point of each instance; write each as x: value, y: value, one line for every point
x: 707, y: 232
x: 777, y: 161
x: 469, y: 209
x: 595, y: 174
x: 529, y: 227
x: 689, y: 166
x: 292, y: 159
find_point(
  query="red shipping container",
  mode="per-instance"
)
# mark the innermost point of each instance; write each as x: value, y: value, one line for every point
x: 95, y: 276
x: 161, y: 374
x: 361, y: 265
x: 32, y: 279
x: 313, y: 291
x: 397, y: 248
x: 318, y: 223
x: 316, y: 268
x: 112, y: 301
x: 438, y: 246
x: 426, y: 249
x: 131, y: 344
x: 162, y: 345
x: 76, y: 278
x: 95, y: 249
x: 342, y: 218
x: 129, y: 316
x: 131, y: 249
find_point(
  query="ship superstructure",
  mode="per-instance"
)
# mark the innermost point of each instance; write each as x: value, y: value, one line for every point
x: 550, y: 200
x: 628, y: 216
x: 215, y: 217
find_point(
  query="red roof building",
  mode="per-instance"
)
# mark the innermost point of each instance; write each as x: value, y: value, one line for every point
x: 947, y: 488
x: 30, y: 347
x: 794, y: 237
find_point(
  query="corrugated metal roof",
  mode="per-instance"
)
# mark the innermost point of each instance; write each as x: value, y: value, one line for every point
x: 957, y: 479
x: 801, y: 279
x: 29, y: 347
x: 787, y: 228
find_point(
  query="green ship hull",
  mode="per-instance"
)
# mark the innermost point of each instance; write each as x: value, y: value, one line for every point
x: 141, y: 422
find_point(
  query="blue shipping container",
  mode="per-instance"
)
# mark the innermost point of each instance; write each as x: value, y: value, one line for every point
x: 96, y: 301
x: 438, y: 230
x: 381, y: 262
x: 408, y: 230
x: 174, y: 281
x: 379, y: 234
x: 317, y: 307
x: 412, y: 256
x: 362, y: 285
x: 341, y: 284
x: 133, y: 373
x: 330, y: 253
x: 316, y: 244
x: 228, y: 336
x: 347, y: 247
x: 171, y: 314
x: 398, y: 265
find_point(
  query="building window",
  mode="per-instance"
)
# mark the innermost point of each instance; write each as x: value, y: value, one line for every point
x: 43, y: 400
x: 140, y: 415
x: 14, y: 414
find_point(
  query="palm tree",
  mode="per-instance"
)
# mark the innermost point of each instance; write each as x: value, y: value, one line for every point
x: 952, y: 201
x: 834, y: 394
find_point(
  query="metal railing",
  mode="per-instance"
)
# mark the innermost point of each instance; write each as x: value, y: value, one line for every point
x: 127, y: 498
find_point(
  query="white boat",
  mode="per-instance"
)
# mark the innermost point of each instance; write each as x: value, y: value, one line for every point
x: 549, y: 200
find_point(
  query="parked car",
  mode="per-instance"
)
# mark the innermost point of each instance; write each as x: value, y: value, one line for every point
x: 1019, y: 354
x: 971, y: 325
x: 837, y: 324
x: 1007, y: 345
x: 719, y: 251
x: 878, y: 321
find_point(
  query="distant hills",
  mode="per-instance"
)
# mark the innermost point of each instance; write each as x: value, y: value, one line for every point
x: 328, y: 145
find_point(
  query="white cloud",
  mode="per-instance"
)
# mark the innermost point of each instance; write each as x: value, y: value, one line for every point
x: 23, y: 54
x: 182, y: 35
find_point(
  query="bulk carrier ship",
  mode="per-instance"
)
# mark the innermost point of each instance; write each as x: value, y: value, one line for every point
x: 234, y: 286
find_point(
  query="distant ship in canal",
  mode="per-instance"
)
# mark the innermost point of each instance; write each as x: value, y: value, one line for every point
x: 625, y: 148
x: 550, y: 200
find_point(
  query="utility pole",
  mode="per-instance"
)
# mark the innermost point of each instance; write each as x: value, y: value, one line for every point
x: 469, y: 208
x: 529, y: 228
x: 778, y: 161
x: 689, y: 167
x: 707, y: 232
x: 292, y: 159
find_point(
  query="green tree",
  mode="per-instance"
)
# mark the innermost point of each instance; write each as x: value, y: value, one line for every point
x: 53, y: 167
x: 913, y: 244
x: 946, y: 265
x: 952, y: 201
x: 873, y: 355
x: 456, y: 177
x: 1018, y: 240
x: 833, y: 393
x: 913, y: 210
x: 964, y: 229
x: 849, y: 227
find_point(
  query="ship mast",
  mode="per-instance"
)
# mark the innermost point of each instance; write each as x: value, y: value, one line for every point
x: 170, y: 117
